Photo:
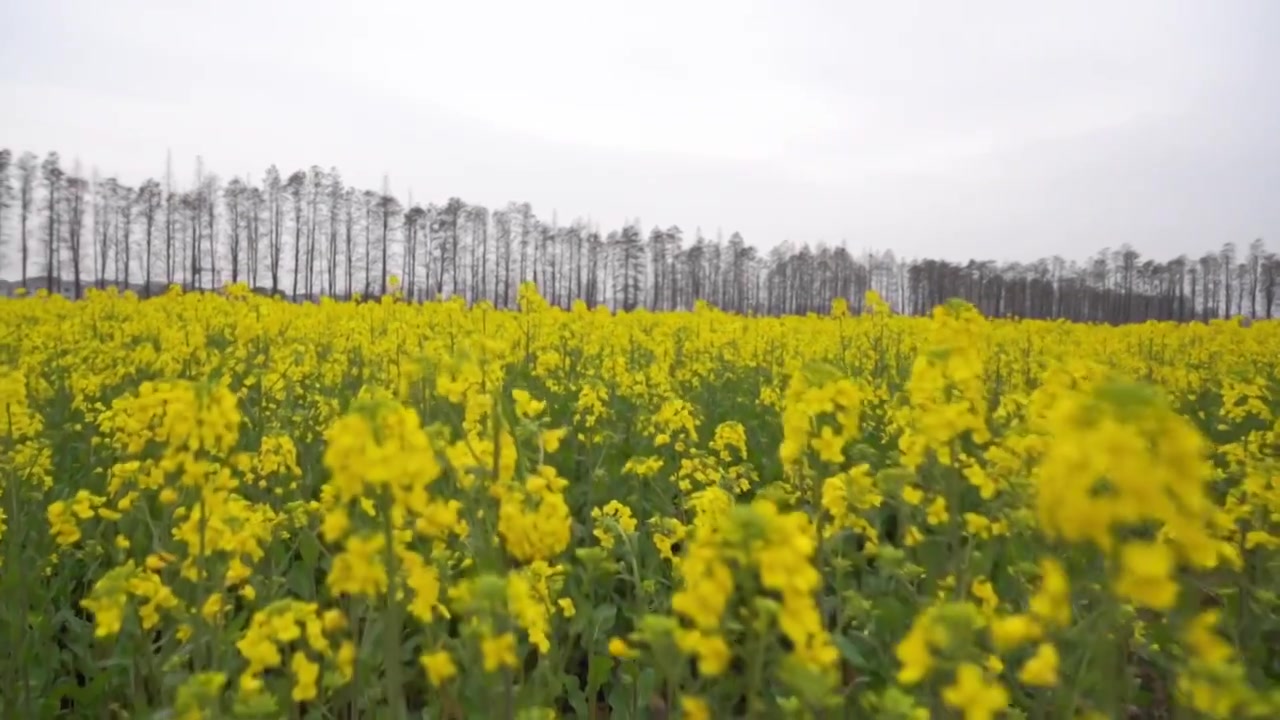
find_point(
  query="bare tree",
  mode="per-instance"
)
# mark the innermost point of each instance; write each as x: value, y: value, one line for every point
x: 275, y: 226
x: 333, y: 199
x: 209, y: 201
x: 150, y: 199
x: 447, y: 225
x: 104, y: 217
x: 502, y: 256
x: 233, y: 197
x: 479, y: 224
x: 464, y: 250
x: 388, y: 207
x: 124, y: 239
x: 76, y: 188
x: 294, y: 187
x: 193, y: 205
x: 315, y: 186
x: 522, y: 223
x: 26, y: 200
x: 1256, y: 251
x: 414, y: 221
x: 630, y: 267
x: 348, y: 226
x: 1227, y: 258
x: 170, y: 255
x: 368, y: 201
x: 194, y: 202
x: 595, y: 262
x: 6, y: 162
x: 53, y: 174
x: 1270, y: 282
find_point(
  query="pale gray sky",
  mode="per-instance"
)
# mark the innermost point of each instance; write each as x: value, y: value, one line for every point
x: 1004, y: 130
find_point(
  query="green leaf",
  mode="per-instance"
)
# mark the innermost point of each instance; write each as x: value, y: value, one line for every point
x: 620, y: 699
x: 850, y: 652
x: 603, y: 618
x: 599, y: 668
x: 648, y: 682
x: 309, y: 548
x: 301, y: 580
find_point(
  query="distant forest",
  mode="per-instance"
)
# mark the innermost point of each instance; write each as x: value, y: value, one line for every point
x: 308, y: 234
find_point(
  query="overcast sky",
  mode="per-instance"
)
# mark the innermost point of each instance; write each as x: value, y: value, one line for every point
x: 1006, y: 130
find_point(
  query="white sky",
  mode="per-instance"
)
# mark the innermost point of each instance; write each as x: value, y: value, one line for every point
x: 1006, y: 130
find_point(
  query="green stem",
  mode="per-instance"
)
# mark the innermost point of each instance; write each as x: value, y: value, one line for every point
x: 17, y: 620
x: 1113, y: 664
x: 755, y: 703
x: 509, y: 696
x: 392, y: 631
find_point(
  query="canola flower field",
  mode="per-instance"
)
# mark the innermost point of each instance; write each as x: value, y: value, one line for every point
x: 218, y: 505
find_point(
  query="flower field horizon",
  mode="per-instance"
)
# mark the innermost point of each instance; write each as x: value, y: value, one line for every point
x: 221, y: 505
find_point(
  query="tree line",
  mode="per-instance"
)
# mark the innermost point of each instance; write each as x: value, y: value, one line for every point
x: 308, y: 234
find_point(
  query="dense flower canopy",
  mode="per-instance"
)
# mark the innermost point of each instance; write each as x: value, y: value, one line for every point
x: 238, y: 506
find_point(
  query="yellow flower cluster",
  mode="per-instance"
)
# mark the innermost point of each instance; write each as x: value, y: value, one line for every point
x: 1120, y: 458
x: 533, y: 518
x: 774, y: 550
x: 308, y: 635
x: 816, y: 392
x: 109, y: 599
x: 394, y: 509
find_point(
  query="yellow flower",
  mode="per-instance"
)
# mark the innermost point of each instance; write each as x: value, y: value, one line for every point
x: 912, y: 495
x: 346, y: 659
x: 528, y: 601
x: 358, y: 569
x: 1145, y: 570
x: 829, y: 445
x: 1041, y: 670
x: 1260, y: 538
x: 550, y: 439
x: 708, y: 583
x: 620, y: 648
x: 424, y: 580
x: 335, y: 524
x: 977, y: 525
x: 305, y: 674
x: 1012, y: 631
x: 937, y: 512
x: 333, y: 620
x: 974, y: 695
x: 913, y: 653
x: 1051, y: 603
x: 534, y: 521
x: 525, y: 405
x: 498, y: 651
x: 62, y: 523
x: 983, y: 590
x: 713, y: 655
x: 693, y: 707
x: 212, y: 607
x: 979, y: 479
x: 611, y: 516
x: 1203, y: 641
x: 566, y: 607
x: 439, y: 667
x: 108, y: 613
